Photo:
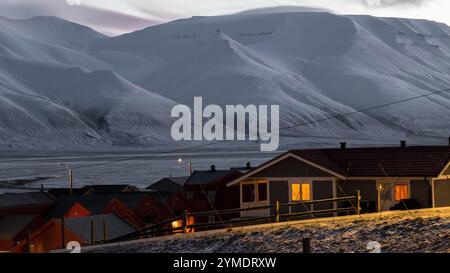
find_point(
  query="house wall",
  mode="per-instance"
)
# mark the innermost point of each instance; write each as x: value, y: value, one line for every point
x: 442, y: 193
x: 77, y: 210
x: 227, y: 198
x: 117, y: 207
x: 47, y: 238
x: 421, y: 193
x: 367, y: 189
x: 150, y: 210
x: 279, y: 190
x: 323, y: 190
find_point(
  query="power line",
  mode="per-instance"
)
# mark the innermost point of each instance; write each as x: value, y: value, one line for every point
x: 281, y: 129
x: 367, y: 109
x: 286, y: 128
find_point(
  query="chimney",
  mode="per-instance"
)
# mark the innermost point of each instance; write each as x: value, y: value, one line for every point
x: 248, y: 164
x: 42, y: 187
x: 343, y: 145
x: 403, y: 144
x: 213, y: 168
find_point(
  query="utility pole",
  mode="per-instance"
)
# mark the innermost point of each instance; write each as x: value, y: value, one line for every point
x: 70, y: 180
x: 180, y: 161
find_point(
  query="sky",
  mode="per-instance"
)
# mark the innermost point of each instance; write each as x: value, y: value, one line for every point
x: 114, y: 17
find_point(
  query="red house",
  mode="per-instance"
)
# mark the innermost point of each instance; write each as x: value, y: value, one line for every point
x: 207, y: 190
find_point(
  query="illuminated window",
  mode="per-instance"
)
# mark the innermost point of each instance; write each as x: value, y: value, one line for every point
x: 295, y: 189
x: 301, y: 192
x: 401, y: 192
x: 306, y: 192
x: 177, y: 224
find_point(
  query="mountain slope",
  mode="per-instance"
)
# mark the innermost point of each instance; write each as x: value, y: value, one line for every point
x: 56, y: 106
x: 64, y: 85
x: 314, y: 64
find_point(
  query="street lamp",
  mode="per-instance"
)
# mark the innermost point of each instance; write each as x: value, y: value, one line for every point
x: 180, y: 161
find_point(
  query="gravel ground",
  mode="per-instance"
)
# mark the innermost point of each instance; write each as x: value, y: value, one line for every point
x: 406, y: 233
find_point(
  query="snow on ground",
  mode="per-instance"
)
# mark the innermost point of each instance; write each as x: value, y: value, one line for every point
x: 418, y: 232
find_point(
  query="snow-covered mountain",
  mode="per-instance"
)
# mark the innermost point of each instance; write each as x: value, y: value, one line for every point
x: 85, y: 88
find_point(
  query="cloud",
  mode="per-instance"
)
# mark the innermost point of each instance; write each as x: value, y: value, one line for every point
x: 389, y: 3
x: 109, y: 22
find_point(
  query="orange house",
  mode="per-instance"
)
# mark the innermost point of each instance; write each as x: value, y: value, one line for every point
x: 80, y: 229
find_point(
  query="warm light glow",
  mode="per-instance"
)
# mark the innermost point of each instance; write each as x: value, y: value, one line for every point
x: 306, y: 192
x: 401, y: 192
x: 295, y: 189
x: 177, y: 224
x: 180, y: 160
x: 301, y: 192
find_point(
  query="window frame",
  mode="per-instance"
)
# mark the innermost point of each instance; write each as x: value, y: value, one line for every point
x: 256, y: 194
x: 300, y: 191
x: 405, y: 190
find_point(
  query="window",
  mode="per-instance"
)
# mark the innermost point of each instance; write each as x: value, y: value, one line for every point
x: 295, y: 189
x: 301, y: 192
x: 248, y: 192
x: 306, y: 192
x: 262, y: 191
x: 190, y: 195
x: 401, y: 192
x: 254, y: 192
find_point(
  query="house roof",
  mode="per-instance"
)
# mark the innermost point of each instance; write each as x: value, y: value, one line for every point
x: 207, y: 177
x: 412, y: 161
x: 28, y: 199
x: 58, y: 192
x: 116, y: 226
x: 11, y: 225
x: 95, y: 204
x: 130, y: 199
x: 114, y: 188
x: 168, y: 183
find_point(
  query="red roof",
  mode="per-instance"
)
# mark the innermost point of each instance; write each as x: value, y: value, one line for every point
x: 413, y: 161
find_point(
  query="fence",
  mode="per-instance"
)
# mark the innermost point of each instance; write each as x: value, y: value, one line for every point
x: 167, y: 226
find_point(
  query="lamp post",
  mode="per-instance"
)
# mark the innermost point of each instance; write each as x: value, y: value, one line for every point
x: 189, y: 164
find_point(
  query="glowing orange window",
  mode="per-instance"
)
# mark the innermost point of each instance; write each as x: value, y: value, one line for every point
x: 401, y: 192
x: 301, y: 192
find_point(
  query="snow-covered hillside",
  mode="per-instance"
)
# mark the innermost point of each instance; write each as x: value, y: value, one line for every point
x: 75, y: 82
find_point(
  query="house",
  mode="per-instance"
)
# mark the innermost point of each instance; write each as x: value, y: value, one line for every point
x: 109, y: 189
x: 207, y: 190
x: 28, y: 203
x: 148, y: 205
x: 15, y: 228
x: 59, y: 192
x: 413, y: 177
x: 89, y: 189
x: 168, y: 184
x: 82, y: 206
x: 50, y: 237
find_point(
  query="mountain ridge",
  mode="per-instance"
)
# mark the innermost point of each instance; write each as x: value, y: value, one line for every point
x: 314, y: 64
